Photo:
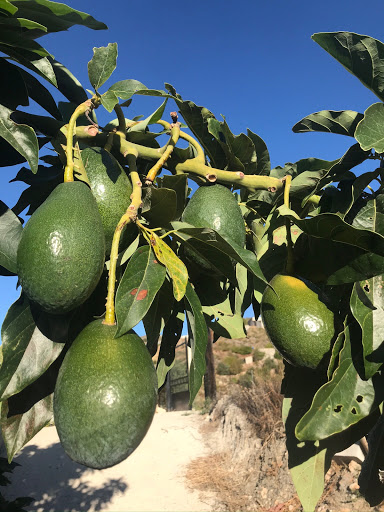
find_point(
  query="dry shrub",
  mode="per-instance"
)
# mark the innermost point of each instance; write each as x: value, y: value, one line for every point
x: 215, y: 473
x: 261, y: 405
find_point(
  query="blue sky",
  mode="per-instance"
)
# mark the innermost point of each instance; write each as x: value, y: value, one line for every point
x: 252, y: 61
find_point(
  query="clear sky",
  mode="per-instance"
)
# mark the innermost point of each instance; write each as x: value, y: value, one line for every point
x: 252, y: 61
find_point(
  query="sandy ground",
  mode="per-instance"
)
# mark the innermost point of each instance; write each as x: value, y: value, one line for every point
x: 150, y: 480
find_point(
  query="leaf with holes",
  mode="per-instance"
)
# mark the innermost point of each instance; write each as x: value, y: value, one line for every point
x: 138, y: 287
x: 367, y: 306
x: 343, y: 122
x: 309, y: 461
x: 198, y: 337
x: 343, y: 401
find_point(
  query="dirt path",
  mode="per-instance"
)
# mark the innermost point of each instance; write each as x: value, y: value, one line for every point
x: 150, y: 480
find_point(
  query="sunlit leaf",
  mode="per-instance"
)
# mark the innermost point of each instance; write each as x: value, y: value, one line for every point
x: 370, y: 130
x: 124, y: 89
x: 102, y: 65
x: 175, y: 267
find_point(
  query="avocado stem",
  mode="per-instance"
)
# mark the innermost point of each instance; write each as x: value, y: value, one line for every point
x: 289, y: 268
x: 80, y: 110
x: 152, y: 173
x: 121, y: 118
x: 196, y: 165
x: 129, y: 216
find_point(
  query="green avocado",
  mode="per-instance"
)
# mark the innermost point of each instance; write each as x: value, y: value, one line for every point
x: 298, y: 321
x: 105, y: 396
x: 112, y: 190
x: 215, y: 207
x: 61, y: 253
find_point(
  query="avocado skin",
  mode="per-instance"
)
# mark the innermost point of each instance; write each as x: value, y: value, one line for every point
x: 105, y: 396
x: 298, y: 320
x: 112, y: 189
x: 61, y: 253
x: 215, y: 207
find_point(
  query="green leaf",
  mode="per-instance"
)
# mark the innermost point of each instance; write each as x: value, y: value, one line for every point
x: 239, y: 151
x: 170, y: 338
x: 198, y: 337
x: 361, y: 55
x: 343, y: 401
x: 13, y: 91
x: 102, y: 64
x: 40, y: 94
x: 176, y: 269
x: 10, y: 234
x: 332, y: 227
x: 263, y: 160
x: 159, y: 206
x: 138, y: 287
x: 40, y: 65
x: 321, y: 260
x: 54, y: 15
x: 343, y: 122
x: 179, y: 184
x: 67, y: 83
x: 124, y: 89
x: 370, y: 130
x: 158, y: 315
x: 27, y: 350
x: 7, y: 7
x: 21, y: 137
x: 22, y: 23
x: 9, y: 37
x: 213, y: 239
x: 309, y: 461
x: 218, y: 309
x: 25, y: 414
x: 370, y: 484
x: 367, y: 306
x: 141, y: 126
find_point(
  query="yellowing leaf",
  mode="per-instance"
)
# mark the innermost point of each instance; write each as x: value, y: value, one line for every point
x: 176, y: 268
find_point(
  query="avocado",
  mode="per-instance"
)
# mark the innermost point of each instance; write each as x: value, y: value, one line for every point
x: 61, y: 253
x: 112, y: 190
x: 298, y: 320
x: 215, y: 207
x: 105, y: 396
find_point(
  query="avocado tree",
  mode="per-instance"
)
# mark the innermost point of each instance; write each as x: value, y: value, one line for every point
x: 116, y: 237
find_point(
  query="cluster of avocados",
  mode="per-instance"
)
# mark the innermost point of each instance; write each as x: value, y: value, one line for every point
x: 106, y: 391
